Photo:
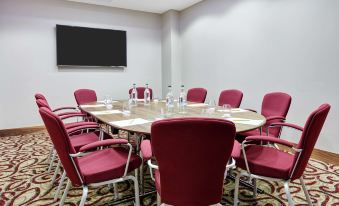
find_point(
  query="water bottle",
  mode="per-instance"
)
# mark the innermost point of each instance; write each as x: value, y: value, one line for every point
x: 182, y: 96
x: 134, y: 95
x: 170, y: 98
x: 147, y: 96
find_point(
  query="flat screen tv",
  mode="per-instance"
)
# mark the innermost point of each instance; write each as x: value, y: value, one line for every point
x: 81, y: 46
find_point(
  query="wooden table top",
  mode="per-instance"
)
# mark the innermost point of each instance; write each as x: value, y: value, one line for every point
x: 138, y: 118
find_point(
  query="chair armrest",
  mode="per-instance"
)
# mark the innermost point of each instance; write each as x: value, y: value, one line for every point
x: 252, y: 110
x: 82, y: 127
x: 283, y: 124
x: 102, y: 143
x: 68, y: 113
x: 64, y: 108
x: 269, y: 139
x: 146, y: 149
x: 275, y: 118
x: 72, y: 115
x: 152, y: 166
x: 78, y: 124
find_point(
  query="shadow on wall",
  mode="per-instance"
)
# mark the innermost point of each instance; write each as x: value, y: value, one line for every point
x: 83, y: 14
x: 210, y: 9
x: 91, y: 69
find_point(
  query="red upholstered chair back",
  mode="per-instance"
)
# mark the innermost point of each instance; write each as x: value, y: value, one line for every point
x: 43, y: 103
x: 309, y: 137
x: 39, y: 96
x: 84, y: 96
x: 62, y: 145
x: 192, y: 154
x: 275, y: 104
x: 197, y: 95
x: 141, y: 91
x: 232, y: 97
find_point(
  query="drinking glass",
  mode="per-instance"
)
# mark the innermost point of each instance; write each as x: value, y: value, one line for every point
x: 227, y: 110
x: 126, y: 110
x: 108, y: 102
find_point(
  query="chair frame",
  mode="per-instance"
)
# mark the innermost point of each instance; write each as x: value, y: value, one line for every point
x: 254, y: 177
x: 56, y: 171
x: 156, y: 167
x: 113, y: 181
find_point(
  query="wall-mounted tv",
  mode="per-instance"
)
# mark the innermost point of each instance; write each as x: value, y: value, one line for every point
x: 81, y: 46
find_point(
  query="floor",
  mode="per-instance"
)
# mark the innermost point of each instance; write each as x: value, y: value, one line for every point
x: 24, y: 180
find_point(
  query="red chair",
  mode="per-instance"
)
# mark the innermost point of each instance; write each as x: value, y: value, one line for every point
x: 191, y: 162
x: 232, y: 97
x: 197, y: 95
x: 270, y: 163
x: 79, y: 139
x: 42, y: 102
x: 140, y: 91
x: 274, y: 107
x: 84, y: 96
x: 94, y: 168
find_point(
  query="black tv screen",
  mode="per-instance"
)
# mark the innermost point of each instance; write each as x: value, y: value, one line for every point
x: 81, y: 46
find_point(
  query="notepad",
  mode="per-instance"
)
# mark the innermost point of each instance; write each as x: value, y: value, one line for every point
x: 106, y: 112
x: 197, y: 105
x: 103, y: 101
x: 245, y: 121
x: 235, y: 110
x: 164, y: 100
x: 92, y: 105
x: 130, y: 122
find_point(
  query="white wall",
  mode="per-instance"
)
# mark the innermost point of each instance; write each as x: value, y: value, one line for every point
x: 28, y: 56
x: 171, y: 68
x: 260, y: 46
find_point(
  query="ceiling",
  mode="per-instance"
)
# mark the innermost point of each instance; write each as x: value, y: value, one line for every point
x: 154, y: 6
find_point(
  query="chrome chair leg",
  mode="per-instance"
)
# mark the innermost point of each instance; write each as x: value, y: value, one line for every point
x: 136, y: 190
x: 60, y: 185
x: 116, y: 192
x: 84, y: 195
x: 52, y: 162
x: 254, y: 182
x: 158, y: 200
x: 305, y: 191
x: 56, y: 171
x: 68, y: 186
x: 236, y: 189
x: 288, y: 194
x: 50, y: 154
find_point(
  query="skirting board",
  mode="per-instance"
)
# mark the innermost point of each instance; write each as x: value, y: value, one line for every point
x: 20, y: 131
x: 318, y: 154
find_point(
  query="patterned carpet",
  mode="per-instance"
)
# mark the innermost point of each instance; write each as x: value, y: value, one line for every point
x: 24, y: 180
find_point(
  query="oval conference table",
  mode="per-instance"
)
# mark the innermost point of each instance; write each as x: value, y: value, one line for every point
x: 138, y: 118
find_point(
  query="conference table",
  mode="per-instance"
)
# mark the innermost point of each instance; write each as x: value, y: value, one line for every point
x: 138, y: 118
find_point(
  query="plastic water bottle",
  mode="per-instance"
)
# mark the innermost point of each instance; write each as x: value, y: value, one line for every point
x: 134, y: 95
x: 182, y: 96
x: 147, y: 96
x: 170, y: 98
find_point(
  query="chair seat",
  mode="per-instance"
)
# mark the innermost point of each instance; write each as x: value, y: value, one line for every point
x: 80, y: 140
x: 106, y: 165
x: 265, y: 161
